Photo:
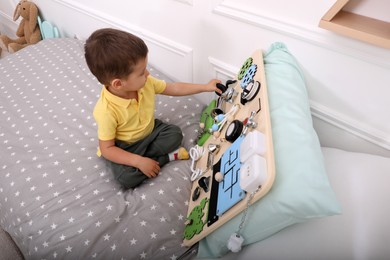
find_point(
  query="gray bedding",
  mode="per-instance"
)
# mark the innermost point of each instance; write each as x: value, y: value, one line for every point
x: 58, y: 200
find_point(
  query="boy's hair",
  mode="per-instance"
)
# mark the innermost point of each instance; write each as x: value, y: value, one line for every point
x: 112, y: 53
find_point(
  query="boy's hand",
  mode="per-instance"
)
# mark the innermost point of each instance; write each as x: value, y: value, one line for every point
x: 212, y: 86
x: 149, y: 167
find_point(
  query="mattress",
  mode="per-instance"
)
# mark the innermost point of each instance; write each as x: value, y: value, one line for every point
x: 57, y: 198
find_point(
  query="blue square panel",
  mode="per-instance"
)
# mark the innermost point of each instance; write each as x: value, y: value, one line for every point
x: 229, y: 191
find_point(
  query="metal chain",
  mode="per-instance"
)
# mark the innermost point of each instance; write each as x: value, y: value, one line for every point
x: 248, y: 203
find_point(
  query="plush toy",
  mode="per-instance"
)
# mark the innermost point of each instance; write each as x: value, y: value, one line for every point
x: 28, y: 30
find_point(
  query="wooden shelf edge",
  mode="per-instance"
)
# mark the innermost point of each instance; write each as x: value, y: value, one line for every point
x: 359, y: 27
x: 334, y: 10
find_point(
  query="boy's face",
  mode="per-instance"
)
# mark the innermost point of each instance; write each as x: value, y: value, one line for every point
x: 137, y: 79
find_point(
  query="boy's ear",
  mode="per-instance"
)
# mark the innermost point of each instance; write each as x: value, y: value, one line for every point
x: 116, y: 83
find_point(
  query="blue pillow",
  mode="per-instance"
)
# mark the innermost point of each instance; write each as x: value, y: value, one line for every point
x: 301, y: 189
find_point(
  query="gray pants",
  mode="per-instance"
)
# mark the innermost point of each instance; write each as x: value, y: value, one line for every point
x: 164, y: 139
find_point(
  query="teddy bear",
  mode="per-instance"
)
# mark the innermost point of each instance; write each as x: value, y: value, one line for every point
x: 28, y: 30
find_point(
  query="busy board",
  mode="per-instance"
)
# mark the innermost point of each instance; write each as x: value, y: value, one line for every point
x: 235, y: 164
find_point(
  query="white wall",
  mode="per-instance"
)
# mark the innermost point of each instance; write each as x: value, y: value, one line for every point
x: 371, y: 8
x: 195, y: 40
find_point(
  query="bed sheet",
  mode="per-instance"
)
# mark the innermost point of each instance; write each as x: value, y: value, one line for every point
x: 58, y: 200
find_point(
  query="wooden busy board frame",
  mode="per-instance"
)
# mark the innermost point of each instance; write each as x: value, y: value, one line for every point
x: 264, y: 126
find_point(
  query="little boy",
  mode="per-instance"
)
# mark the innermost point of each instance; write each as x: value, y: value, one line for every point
x: 135, y: 143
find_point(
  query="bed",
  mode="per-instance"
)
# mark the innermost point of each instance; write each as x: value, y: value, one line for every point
x: 59, y: 201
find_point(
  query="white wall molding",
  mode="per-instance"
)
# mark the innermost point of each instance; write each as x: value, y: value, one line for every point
x: 178, y: 58
x: 5, y: 16
x: 312, y: 35
x: 188, y: 2
x: 6, y: 20
x: 99, y: 16
x: 359, y: 129
x: 222, y: 70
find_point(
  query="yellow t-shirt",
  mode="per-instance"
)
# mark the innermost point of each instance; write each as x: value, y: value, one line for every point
x: 126, y: 119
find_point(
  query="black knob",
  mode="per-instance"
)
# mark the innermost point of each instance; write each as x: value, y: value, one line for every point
x: 222, y: 87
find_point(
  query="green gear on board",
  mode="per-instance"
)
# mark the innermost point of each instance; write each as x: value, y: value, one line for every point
x: 244, y: 67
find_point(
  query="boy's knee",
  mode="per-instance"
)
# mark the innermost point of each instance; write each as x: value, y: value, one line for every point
x: 174, y: 129
x: 172, y: 136
x: 175, y: 142
x: 178, y: 133
x: 129, y: 177
x: 130, y: 183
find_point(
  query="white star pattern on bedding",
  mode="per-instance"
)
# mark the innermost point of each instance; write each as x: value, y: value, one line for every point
x: 58, y: 200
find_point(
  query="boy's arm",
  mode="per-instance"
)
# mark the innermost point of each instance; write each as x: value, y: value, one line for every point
x: 147, y: 166
x: 183, y: 89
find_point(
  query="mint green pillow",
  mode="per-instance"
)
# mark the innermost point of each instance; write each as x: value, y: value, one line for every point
x: 301, y: 190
